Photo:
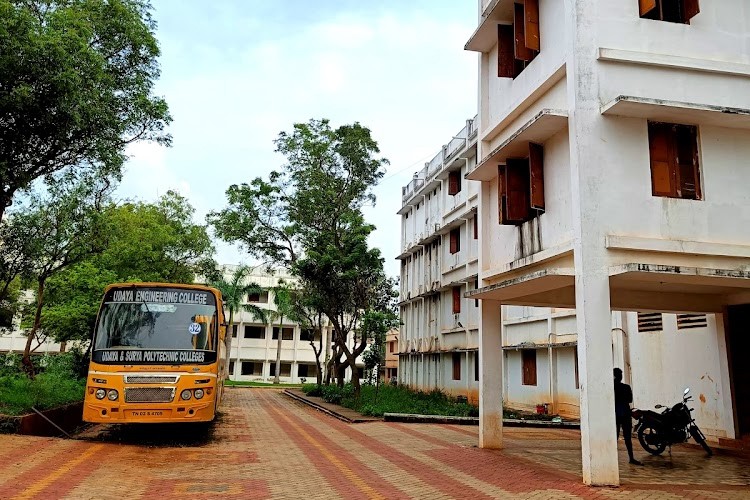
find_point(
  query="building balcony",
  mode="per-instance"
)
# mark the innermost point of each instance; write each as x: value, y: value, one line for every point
x: 428, y: 178
x: 538, y: 129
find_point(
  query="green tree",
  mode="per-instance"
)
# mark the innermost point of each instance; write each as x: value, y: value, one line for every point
x: 155, y: 242
x: 63, y: 228
x: 76, y: 87
x: 344, y: 278
x: 234, y: 292
x: 308, y: 217
x: 374, y: 326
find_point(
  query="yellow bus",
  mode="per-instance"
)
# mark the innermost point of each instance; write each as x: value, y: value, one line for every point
x: 158, y: 354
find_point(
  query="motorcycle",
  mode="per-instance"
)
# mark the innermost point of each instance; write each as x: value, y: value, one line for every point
x: 656, y: 431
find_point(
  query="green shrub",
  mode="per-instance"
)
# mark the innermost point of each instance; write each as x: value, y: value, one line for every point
x: 376, y: 401
x: 56, y: 384
x: 334, y: 394
x: 313, y: 390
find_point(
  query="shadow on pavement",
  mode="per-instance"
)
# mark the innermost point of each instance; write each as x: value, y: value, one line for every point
x: 193, y: 434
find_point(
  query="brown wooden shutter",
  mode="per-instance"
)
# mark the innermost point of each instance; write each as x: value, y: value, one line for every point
x: 456, y: 299
x: 456, y: 366
x: 520, y: 50
x: 531, y: 25
x: 476, y: 226
x: 646, y: 6
x: 528, y: 357
x: 506, y: 64
x: 455, y: 241
x: 686, y: 146
x: 690, y: 8
x: 536, y: 170
x: 452, y: 183
x: 517, y: 189
x: 502, y: 206
x: 662, y: 159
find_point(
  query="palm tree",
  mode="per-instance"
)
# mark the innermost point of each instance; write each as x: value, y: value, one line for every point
x: 234, y: 292
x: 282, y: 299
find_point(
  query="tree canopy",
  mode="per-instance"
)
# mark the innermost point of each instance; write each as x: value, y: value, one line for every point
x: 144, y: 242
x: 76, y: 87
x: 308, y: 216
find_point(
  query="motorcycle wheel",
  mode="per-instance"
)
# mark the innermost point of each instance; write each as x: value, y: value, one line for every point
x: 651, y: 440
x: 698, y: 436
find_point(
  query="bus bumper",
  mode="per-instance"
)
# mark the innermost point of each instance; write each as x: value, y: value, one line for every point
x: 110, y: 412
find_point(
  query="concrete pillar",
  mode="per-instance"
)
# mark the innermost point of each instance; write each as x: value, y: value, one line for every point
x: 490, y: 376
x: 588, y: 154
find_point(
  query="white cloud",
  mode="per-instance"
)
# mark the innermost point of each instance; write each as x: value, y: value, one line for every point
x: 403, y: 75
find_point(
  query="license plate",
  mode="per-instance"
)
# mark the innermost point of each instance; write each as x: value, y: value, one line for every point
x: 147, y: 413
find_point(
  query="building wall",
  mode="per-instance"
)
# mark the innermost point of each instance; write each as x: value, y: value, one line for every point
x: 431, y: 332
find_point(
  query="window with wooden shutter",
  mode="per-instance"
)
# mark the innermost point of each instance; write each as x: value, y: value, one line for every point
x: 456, y: 299
x: 520, y: 50
x: 455, y: 240
x: 671, y: 11
x: 521, y: 187
x: 528, y: 366
x: 454, y: 183
x: 476, y: 227
x: 519, y: 43
x: 476, y: 366
x: 673, y: 151
x: 456, y: 366
x: 536, y: 172
x: 506, y: 63
x: 502, y: 205
x: 517, y: 190
x: 531, y: 24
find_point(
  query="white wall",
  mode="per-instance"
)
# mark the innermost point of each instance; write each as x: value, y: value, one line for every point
x: 664, y: 363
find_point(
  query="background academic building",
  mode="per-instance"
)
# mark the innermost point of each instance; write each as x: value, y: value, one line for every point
x: 254, y: 343
x: 607, y: 172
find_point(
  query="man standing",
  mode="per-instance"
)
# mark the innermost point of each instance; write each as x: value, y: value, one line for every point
x: 623, y: 398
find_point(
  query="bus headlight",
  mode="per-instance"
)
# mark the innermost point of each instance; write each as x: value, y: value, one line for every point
x: 185, y: 394
x: 199, y: 394
x: 112, y: 395
x: 100, y: 393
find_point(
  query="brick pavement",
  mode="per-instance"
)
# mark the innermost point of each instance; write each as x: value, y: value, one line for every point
x: 269, y: 446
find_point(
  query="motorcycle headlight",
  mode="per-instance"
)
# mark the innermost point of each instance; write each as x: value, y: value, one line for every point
x: 185, y: 394
x: 112, y: 395
x: 199, y: 394
x: 100, y: 393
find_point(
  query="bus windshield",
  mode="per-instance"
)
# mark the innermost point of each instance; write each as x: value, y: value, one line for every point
x: 159, y: 321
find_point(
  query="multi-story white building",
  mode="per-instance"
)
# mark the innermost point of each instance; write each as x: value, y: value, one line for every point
x: 254, y: 343
x: 612, y: 140
x: 439, y: 258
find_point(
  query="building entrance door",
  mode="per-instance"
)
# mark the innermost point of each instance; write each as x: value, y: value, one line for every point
x: 738, y: 319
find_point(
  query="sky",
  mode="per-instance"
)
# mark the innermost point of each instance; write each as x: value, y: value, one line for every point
x: 235, y: 73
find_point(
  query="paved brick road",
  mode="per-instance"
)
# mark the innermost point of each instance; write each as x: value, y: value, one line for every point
x: 267, y: 446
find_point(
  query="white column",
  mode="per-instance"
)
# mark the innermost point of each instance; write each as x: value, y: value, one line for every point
x: 490, y: 376
x: 589, y: 160
x: 728, y: 417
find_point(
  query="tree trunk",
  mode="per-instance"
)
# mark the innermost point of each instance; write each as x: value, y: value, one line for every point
x: 278, y: 355
x: 28, y: 365
x: 228, y: 341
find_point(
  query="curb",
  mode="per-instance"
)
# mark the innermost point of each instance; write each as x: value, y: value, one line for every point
x: 445, y: 419
x: 319, y: 407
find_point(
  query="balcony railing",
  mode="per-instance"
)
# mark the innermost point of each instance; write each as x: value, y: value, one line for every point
x: 438, y: 162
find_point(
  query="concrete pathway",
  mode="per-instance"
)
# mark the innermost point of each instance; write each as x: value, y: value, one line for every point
x: 267, y: 445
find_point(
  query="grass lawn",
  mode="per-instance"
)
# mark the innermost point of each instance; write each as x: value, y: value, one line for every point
x: 19, y: 393
x: 393, y: 399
